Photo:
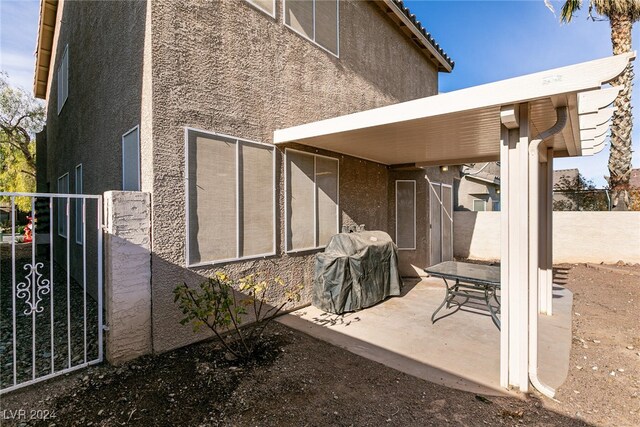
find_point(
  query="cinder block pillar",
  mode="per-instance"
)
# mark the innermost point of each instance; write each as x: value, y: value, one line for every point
x: 127, y: 266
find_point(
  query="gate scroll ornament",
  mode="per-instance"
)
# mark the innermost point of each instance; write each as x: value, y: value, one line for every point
x: 24, y: 289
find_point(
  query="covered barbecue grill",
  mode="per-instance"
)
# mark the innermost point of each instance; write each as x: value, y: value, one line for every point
x: 356, y: 271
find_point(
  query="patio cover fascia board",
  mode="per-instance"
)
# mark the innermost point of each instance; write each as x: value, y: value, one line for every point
x: 370, y: 134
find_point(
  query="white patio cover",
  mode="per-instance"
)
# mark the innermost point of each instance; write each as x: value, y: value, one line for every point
x: 524, y: 122
x: 464, y: 125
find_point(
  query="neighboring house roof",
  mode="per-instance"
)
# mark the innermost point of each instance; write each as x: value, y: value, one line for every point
x: 485, y: 177
x: 396, y: 9
x: 563, y: 178
x: 418, y: 34
x: 485, y: 172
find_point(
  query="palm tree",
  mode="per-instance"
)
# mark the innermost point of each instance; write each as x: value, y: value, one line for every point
x: 621, y: 14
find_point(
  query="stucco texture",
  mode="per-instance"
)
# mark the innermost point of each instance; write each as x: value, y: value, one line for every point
x: 412, y: 262
x: 578, y: 236
x: 104, y: 98
x: 127, y: 246
x: 226, y: 67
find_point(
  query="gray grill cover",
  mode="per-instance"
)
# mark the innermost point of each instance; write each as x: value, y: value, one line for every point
x: 356, y: 271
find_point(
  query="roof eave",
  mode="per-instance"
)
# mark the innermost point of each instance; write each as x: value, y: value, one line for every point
x: 44, y: 47
x: 430, y: 48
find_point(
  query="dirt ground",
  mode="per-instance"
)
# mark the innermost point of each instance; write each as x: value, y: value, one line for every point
x: 300, y: 381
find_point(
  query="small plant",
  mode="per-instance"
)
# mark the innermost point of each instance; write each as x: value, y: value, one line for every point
x: 214, y: 304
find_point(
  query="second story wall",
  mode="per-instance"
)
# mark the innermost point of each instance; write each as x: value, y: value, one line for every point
x: 226, y: 67
x: 103, y: 42
x: 233, y: 64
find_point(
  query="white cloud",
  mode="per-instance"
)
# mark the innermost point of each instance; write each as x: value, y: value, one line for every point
x: 18, y: 31
x: 20, y: 67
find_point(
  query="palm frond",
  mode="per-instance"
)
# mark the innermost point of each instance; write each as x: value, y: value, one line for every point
x: 568, y: 9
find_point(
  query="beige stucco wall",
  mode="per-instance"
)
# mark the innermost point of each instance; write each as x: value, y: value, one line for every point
x: 127, y: 253
x: 470, y: 190
x: 577, y: 236
x: 105, y: 42
x: 413, y: 262
x: 226, y: 67
x: 476, y: 235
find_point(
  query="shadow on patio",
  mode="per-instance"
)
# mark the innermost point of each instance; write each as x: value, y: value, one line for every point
x: 461, y: 350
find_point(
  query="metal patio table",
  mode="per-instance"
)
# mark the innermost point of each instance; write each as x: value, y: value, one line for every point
x: 472, y: 282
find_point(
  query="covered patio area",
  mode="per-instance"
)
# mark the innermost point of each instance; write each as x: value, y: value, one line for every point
x: 524, y: 123
x: 461, y: 351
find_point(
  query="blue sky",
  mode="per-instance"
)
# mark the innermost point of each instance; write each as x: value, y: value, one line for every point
x: 495, y: 40
x: 489, y: 41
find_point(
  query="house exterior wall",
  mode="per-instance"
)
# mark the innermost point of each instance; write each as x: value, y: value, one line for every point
x: 413, y: 262
x: 472, y: 187
x: 105, y: 41
x: 226, y: 67
x: 470, y: 190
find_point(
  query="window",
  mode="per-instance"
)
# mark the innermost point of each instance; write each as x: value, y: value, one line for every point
x: 79, y: 214
x: 311, y: 200
x: 131, y: 160
x: 317, y: 20
x: 267, y: 6
x: 495, y: 206
x: 479, y: 205
x: 230, y: 190
x: 63, y: 188
x: 63, y: 79
x: 406, y: 214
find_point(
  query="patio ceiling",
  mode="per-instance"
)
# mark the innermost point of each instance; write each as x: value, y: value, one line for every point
x: 464, y: 125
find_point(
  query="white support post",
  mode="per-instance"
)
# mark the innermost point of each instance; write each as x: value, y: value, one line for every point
x: 504, y: 254
x: 541, y: 186
x: 545, y: 234
x: 547, y: 304
x: 514, y: 161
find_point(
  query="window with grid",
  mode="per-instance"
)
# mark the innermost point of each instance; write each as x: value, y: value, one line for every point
x: 479, y: 205
x: 230, y: 198
x: 131, y: 160
x: 78, y: 205
x: 406, y: 214
x: 311, y: 200
x: 63, y: 188
x: 267, y: 6
x: 317, y: 20
x: 63, y: 79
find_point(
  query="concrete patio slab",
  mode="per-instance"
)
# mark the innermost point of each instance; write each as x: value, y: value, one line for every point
x: 460, y: 351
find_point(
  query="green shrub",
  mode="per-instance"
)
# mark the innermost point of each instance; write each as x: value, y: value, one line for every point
x: 214, y: 304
